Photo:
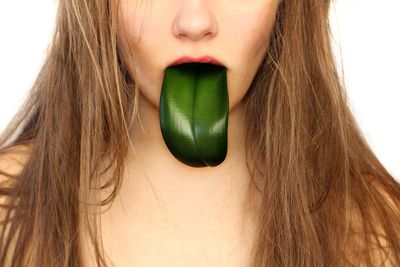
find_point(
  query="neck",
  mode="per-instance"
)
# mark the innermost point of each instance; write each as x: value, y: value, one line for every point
x: 186, y: 192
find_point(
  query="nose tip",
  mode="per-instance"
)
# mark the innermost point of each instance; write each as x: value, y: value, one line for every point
x: 195, y: 22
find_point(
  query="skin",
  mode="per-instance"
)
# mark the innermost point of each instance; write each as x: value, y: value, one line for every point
x: 161, y: 199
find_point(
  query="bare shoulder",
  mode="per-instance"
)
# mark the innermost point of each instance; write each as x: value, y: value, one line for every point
x: 385, y: 252
x: 387, y: 228
x: 13, y: 159
x: 381, y: 231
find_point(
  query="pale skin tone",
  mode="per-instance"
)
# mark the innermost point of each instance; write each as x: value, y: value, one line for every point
x: 167, y: 213
x: 195, y: 219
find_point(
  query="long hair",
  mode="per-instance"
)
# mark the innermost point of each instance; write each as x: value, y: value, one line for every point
x: 326, y: 198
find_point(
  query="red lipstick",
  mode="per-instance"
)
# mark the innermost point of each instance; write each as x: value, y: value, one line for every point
x: 203, y: 59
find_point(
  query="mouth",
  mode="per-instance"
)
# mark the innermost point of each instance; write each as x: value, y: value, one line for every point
x: 194, y: 111
x: 203, y: 59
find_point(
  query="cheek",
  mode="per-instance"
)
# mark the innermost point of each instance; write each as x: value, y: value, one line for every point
x: 138, y: 51
x: 248, y: 35
x: 249, y: 29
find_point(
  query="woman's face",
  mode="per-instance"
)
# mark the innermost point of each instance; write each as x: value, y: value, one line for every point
x: 157, y: 32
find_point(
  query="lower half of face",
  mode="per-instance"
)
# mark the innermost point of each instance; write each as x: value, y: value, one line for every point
x: 235, y: 32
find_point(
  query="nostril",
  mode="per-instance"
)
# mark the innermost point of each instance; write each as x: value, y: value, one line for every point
x: 208, y: 34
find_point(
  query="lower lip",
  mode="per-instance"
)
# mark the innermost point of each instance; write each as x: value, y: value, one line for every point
x: 205, y: 59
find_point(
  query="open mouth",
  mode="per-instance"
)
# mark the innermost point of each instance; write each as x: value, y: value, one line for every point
x: 194, y: 107
x: 203, y: 59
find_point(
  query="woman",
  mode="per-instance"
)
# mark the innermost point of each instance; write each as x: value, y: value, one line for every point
x: 89, y: 178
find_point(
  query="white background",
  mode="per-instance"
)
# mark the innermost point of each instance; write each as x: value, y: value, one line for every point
x: 366, y: 31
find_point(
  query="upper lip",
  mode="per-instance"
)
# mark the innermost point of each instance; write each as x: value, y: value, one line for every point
x: 202, y: 59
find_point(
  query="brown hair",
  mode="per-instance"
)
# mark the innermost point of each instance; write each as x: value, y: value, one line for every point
x: 327, y: 200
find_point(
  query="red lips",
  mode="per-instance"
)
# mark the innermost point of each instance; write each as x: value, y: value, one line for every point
x: 203, y: 59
